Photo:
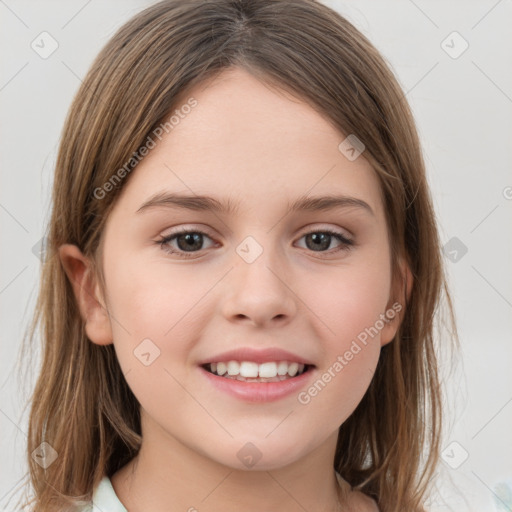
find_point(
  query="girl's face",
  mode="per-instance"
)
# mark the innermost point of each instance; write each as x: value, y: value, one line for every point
x: 261, y: 277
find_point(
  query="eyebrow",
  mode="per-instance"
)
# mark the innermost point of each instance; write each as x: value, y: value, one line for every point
x: 207, y: 203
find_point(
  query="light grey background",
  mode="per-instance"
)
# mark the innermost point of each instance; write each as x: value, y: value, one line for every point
x: 462, y: 105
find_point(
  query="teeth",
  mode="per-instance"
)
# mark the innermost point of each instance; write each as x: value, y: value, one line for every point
x: 293, y: 369
x: 250, y: 371
x: 282, y: 368
x: 233, y: 367
x: 267, y: 370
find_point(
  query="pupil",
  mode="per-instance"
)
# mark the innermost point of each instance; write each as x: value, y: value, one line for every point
x: 318, y: 238
x: 190, y: 238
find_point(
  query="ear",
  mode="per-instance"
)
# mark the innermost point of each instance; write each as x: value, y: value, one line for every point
x: 395, y: 310
x: 87, y: 293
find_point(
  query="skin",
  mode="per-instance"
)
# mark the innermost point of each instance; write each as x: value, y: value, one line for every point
x: 251, y: 143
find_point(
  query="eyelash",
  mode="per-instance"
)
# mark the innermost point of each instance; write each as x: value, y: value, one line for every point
x: 346, y: 244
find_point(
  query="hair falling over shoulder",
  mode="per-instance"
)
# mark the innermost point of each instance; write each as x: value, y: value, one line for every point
x: 82, y: 406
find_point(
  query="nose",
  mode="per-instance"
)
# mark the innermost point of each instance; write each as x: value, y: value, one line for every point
x: 259, y: 293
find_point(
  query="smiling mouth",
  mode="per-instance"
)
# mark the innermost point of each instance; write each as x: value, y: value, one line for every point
x: 248, y: 371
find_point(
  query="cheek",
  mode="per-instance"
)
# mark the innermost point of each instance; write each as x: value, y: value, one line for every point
x: 156, y: 302
x: 350, y: 306
x: 350, y: 300
x: 151, y: 297
x: 156, y: 320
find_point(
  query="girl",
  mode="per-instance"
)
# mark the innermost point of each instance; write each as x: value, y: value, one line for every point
x: 237, y: 300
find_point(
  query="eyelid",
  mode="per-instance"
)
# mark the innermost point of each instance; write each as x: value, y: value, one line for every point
x: 184, y: 228
x: 327, y: 227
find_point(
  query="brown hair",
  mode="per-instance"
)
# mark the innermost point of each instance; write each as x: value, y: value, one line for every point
x: 82, y: 406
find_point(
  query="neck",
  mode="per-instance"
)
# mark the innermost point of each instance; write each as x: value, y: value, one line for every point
x: 168, y: 476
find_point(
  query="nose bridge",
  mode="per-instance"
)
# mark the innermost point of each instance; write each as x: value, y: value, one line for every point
x: 261, y: 259
x: 257, y: 288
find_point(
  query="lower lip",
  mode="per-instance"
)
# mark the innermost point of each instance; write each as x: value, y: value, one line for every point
x: 258, y: 391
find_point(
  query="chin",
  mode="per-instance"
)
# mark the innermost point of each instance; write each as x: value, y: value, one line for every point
x: 259, y: 455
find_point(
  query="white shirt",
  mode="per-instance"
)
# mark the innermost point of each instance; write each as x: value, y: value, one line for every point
x: 104, y: 498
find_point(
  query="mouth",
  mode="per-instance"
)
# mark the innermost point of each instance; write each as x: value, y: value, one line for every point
x: 250, y: 371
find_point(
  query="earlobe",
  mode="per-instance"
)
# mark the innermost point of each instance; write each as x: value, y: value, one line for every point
x: 87, y: 294
x: 396, y: 309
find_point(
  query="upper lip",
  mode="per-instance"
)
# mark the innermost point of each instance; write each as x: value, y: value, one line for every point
x: 256, y: 355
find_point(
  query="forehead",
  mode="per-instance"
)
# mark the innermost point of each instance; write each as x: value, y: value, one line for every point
x: 251, y: 143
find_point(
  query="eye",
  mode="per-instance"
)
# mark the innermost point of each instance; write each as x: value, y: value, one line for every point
x: 188, y: 241
x: 191, y: 241
x: 321, y: 239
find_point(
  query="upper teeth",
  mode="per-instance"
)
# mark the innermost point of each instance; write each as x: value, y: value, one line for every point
x: 251, y: 369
